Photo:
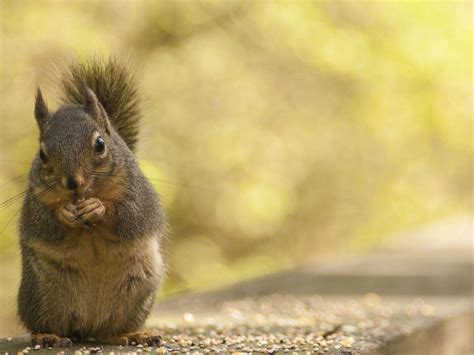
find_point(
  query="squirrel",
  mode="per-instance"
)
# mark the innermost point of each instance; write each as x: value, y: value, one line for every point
x: 91, y: 223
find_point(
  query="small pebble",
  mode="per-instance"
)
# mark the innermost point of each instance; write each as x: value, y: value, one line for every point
x: 428, y: 310
x: 347, y: 342
x: 188, y: 317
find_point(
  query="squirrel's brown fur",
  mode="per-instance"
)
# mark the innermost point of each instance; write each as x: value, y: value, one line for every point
x: 91, y: 223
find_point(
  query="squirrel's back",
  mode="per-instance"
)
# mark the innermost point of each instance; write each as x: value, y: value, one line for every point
x: 114, y: 85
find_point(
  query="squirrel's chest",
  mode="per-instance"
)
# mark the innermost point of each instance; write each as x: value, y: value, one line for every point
x: 98, y: 256
x: 90, y: 263
x: 89, y: 252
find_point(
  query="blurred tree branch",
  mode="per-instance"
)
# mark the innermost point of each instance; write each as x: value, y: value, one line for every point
x: 169, y: 27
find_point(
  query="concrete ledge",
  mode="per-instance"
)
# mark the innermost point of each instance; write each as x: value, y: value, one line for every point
x: 450, y: 336
x: 306, y: 323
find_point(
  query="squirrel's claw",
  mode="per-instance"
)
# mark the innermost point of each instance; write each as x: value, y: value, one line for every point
x: 86, y: 214
x: 50, y: 340
x: 143, y: 338
x: 90, y: 211
x: 68, y: 217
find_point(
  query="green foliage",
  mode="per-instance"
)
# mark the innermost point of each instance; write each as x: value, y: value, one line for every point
x: 275, y: 131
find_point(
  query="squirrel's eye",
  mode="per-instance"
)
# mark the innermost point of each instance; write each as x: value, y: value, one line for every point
x: 99, y: 145
x: 43, y: 156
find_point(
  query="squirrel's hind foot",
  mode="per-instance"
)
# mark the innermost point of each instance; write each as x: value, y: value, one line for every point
x: 142, y: 338
x: 50, y: 341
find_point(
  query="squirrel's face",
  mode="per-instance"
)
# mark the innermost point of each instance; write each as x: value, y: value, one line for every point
x: 75, y: 147
x: 73, y: 150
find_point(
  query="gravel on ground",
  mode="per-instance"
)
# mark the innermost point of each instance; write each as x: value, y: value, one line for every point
x: 281, y: 324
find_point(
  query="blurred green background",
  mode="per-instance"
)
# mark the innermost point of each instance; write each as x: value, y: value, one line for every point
x: 275, y: 131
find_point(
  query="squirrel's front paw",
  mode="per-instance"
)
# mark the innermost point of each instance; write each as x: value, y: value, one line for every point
x: 67, y: 215
x: 90, y: 211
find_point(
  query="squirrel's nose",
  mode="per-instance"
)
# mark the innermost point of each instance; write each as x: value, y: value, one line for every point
x: 72, y: 182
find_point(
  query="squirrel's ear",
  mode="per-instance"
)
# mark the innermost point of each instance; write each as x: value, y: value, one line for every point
x: 41, y: 110
x: 93, y: 107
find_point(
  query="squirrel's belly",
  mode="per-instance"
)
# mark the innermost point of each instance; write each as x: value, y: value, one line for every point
x: 105, y: 288
x: 112, y: 292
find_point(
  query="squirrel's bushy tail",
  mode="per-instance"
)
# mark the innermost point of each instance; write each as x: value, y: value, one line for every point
x: 115, y: 87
